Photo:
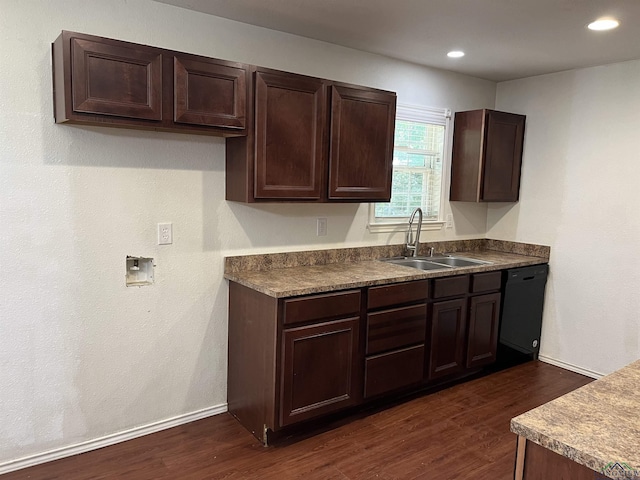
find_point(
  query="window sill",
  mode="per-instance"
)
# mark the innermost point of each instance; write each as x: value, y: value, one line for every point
x: 401, y: 227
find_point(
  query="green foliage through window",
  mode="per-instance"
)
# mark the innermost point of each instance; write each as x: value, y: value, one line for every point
x: 417, y: 170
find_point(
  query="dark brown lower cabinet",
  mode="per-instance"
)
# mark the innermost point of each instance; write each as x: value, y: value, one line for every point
x: 395, y: 337
x: 318, y: 362
x: 300, y: 358
x: 395, y: 349
x: 464, y: 323
x: 448, y: 332
x: 292, y: 359
x: 484, y: 317
x: 534, y: 462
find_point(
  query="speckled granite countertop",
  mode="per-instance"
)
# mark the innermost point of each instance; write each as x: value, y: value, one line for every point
x: 596, y: 425
x: 301, y: 273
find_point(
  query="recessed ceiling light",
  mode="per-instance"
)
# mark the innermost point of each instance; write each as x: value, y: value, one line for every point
x: 455, y: 54
x: 603, y: 24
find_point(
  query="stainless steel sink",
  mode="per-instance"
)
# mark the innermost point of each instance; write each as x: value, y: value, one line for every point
x: 436, y: 262
x: 453, y: 261
x: 416, y: 262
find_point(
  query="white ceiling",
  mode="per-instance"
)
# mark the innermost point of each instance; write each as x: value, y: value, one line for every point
x: 503, y: 39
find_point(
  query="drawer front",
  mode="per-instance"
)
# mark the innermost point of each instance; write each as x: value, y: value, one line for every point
x: 396, y: 328
x: 393, y: 370
x: 486, y: 282
x: 397, y: 293
x: 321, y: 307
x: 450, y: 286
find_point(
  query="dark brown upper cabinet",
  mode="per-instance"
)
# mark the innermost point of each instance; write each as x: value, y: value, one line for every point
x: 487, y: 156
x: 100, y: 81
x: 208, y: 92
x: 290, y: 120
x: 361, y: 145
x: 107, y: 78
x: 312, y: 140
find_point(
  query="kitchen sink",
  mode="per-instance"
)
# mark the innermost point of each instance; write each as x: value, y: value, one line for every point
x: 435, y: 263
x: 452, y: 261
x: 416, y: 262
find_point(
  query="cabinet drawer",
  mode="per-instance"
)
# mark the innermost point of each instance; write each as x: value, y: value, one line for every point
x: 320, y: 307
x: 485, y: 282
x: 396, y: 328
x: 209, y: 92
x: 450, y: 286
x: 393, y: 370
x: 397, y: 293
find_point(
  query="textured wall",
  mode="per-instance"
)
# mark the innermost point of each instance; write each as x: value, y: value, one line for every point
x: 580, y: 195
x: 81, y: 355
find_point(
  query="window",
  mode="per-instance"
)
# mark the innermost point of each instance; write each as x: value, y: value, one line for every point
x: 418, y: 158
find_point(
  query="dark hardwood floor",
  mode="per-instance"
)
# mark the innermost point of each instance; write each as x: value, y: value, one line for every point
x: 458, y: 433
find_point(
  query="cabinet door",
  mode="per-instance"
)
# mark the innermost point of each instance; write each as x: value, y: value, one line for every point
x: 486, y: 156
x: 318, y: 369
x: 116, y: 78
x: 209, y: 93
x: 503, y: 157
x: 466, y: 156
x: 448, y: 329
x: 484, y: 315
x: 361, y: 144
x: 290, y: 137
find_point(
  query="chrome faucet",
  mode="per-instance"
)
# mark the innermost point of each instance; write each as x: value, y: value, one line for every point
x: 411, y: 244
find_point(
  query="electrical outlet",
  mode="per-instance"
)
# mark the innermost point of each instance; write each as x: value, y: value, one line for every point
x: 165, y: 233
x: 449, y: 221
x: 321, y: 227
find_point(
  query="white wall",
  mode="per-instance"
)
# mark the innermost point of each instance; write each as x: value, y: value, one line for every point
x: 580, y: 194
x: 81, y: 355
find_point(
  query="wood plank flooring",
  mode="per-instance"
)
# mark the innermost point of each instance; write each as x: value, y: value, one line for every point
x: 458, y: 433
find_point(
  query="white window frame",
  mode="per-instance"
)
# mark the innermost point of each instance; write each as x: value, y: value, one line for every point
x: 414, y: 113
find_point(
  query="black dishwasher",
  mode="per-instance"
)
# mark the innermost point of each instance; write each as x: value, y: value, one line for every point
x: 522, y: 302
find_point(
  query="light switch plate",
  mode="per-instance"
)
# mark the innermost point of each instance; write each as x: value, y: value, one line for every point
x: 321, y: 227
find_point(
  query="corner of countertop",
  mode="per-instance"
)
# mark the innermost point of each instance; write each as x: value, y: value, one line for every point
x: 528, y: 249
x: 589, y: 425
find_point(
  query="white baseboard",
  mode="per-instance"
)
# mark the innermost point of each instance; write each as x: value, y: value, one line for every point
x: 570, y: 367
x: 112, y: 439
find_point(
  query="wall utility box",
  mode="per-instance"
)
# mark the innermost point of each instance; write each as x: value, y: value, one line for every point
x: 139, y: 271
